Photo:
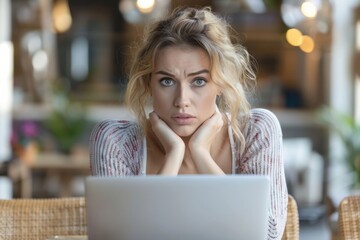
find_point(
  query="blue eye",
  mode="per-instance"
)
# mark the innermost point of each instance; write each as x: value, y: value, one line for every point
x: 199, y: 82
x: 166, y: 82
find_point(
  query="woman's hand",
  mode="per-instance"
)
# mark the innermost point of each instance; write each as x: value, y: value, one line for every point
x: 201, y: 141
x: 168, y: 138
x: 173, y: 145
x: 205, y: 135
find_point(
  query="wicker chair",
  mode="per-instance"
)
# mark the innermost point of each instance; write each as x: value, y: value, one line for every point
x: 349, y: 218
x: 42, y: 218
x: 292, y: 224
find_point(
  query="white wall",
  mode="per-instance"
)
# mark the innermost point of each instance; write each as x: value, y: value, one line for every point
x: 341, y: 84
x: 6, y: 78
x: 341, y: 77
x: 6, y: 88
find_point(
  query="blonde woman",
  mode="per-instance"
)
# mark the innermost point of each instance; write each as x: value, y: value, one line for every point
x: 200, y: 121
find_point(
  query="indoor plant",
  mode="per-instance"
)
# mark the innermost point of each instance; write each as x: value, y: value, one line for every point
x: 346, y: 127
x: 66, y: 122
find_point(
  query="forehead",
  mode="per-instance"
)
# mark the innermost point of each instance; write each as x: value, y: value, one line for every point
x: 182, y: 55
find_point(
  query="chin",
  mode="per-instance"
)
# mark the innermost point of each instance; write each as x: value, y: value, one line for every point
x: 184, y: 131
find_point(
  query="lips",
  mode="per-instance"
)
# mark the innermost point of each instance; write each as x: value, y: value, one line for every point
x: 183, y: 118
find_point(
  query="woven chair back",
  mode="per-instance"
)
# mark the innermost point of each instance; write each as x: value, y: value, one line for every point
x: 292, y: 229
x: 41, y: 218
x: 45, y: 218
x: 349, y: 218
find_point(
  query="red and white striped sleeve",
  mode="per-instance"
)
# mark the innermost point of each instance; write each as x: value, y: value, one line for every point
x: 116, y: 148
x: 263, y: 156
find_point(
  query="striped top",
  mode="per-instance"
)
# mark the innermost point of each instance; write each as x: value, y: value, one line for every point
x: 117, y: 148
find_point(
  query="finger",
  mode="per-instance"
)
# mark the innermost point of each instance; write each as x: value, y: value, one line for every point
x: 154, y: 118
x: 217, y: 121
x: 153, y: 115
x: 157, y: 124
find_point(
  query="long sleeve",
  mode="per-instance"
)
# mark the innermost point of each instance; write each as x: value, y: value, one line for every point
x: 263, y: 156
x: 116, y: 149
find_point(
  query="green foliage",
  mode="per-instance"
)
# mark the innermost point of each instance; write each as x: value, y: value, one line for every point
x: 67, y: 122
x: 272, y: 3
x: 348, y: 130
x: 67, y: 126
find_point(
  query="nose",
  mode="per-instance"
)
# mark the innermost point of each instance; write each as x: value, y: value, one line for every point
x: 182, y: 97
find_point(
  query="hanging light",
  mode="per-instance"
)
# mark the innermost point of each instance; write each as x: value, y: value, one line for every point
x: 141, y: 11
x: 61, y: 16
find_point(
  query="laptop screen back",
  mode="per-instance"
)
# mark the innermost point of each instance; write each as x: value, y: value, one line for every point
x: 182, y: 207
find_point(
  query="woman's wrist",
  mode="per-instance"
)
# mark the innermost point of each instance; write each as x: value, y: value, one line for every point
x: 205, y: 163
x: 172, y: 161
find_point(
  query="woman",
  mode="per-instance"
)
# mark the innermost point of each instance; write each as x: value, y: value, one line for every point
x: 194, y: 80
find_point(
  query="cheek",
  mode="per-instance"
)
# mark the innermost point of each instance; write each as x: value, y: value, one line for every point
x: 208, y: 106
x: 154, y: 94
x: 160, y: 102
x: 209, y: 101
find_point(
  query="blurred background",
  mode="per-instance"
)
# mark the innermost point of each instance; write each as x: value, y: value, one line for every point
x: 64, y: 65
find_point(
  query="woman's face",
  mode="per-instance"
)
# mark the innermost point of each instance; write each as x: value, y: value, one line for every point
x: 183, y: 92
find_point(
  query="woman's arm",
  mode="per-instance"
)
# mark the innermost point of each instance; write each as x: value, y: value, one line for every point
x: 173, y: 145
x: 116, y: 149
x: 201, y: 141
x: 263, y: 156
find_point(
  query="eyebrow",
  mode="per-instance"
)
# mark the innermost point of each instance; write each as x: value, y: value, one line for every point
x: 190, y: 74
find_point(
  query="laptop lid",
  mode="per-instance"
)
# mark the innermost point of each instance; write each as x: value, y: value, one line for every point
x: 182, y: 207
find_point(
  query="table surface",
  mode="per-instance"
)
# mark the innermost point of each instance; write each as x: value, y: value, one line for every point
x: 60, y: 161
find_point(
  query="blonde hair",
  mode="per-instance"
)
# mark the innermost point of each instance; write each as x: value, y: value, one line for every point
x: 231, y: 67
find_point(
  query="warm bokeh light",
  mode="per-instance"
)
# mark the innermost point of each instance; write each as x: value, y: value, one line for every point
x: 61, y: 16
x: 309, y: 9
x: 145, y: 6
x: 307, y: 44
x: 294, y: 37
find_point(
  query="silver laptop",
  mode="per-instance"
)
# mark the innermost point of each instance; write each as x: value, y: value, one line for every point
x: 173, y: 208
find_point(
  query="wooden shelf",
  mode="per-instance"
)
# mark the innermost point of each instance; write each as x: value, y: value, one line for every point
x: 94, y: 112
